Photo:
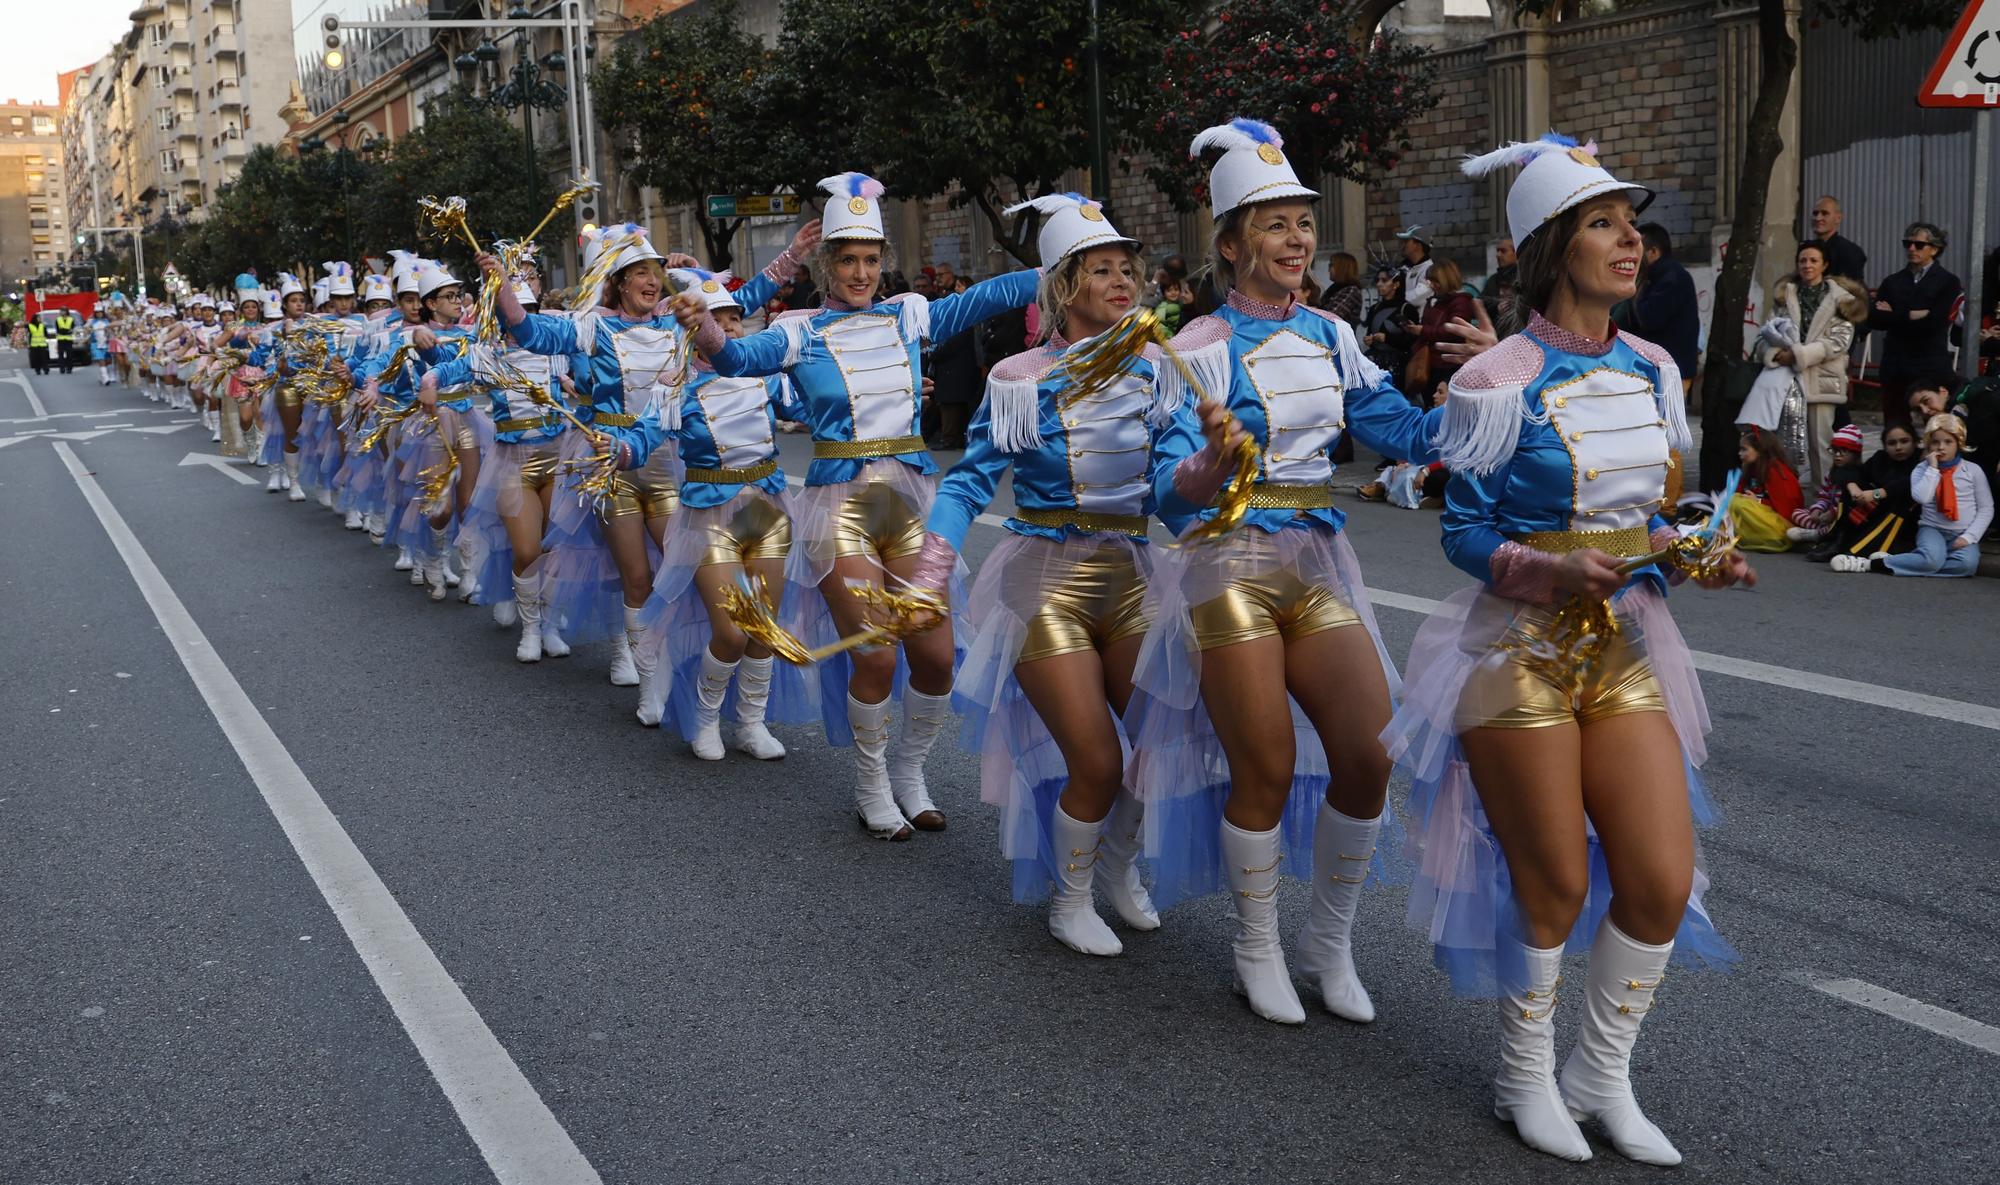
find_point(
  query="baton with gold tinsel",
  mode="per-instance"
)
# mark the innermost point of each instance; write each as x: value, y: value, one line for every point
x: 446, y: 218
x: 1099, y: 362
x: 747, y: 605
x: 437, y: 478
x: 894, y: 615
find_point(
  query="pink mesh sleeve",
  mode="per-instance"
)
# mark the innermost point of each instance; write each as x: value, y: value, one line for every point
x: 708, y: 337
x: 1658, y: 541
x: 934, y: 564
x: 1523, y: 573
x: 1198, y: 477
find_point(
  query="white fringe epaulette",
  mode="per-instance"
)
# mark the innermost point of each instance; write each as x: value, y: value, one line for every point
x: 1014, y: 399
x: 586, y: 321
x: 1203, y: 345
x: 1480, y: 428
x: 796, y: 325
x: 1673, y: 406
x: 663, y: 403
x: 915, y: 313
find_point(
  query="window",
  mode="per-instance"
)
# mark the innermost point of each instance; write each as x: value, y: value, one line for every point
x: 44, y: 126
x: 19, y: 122
x: 32, y: 160
x: 34, y: 179
x: 43, y: 256
x: 41, y: 240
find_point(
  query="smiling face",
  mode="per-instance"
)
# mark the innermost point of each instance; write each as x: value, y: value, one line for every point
x: 1107, y: 287
x: 854, y: 271
x: 1271, y: 248
x: 1812, y: 265
x: 1926, y: 402
x: 639, y: 286
x: 1601, y: 267
x: 730, y: 320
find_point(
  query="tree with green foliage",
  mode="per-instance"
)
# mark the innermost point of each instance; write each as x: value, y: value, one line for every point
x: 687, y: 94
x: 991, y: 97
x: 461, y: 148
x: 1341, y: 101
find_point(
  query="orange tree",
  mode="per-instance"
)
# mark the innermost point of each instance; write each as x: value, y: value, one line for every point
x: 1341, y: 102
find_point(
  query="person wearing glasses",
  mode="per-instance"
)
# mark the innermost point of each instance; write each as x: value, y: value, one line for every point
x: 1913, y: 310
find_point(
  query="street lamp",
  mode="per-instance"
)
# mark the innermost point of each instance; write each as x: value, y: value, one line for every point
x: 525, y: 90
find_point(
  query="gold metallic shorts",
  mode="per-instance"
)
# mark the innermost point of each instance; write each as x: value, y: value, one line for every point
x: 456, y: 426
x: 877, y: 521
x: 538, y: 463
x: 757, y: 531
x: 1102, y: 600
x: 290, y: 398
x: 649, y: 491
x: 1276, y: 602
x: 1513, y: 694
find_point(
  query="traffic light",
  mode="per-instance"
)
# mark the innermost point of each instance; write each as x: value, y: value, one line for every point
x: 335, y: 56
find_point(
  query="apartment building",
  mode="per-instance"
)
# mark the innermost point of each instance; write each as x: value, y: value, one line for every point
x: 34, y: 217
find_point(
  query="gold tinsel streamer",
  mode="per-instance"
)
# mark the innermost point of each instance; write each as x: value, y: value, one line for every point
x: 447, y: 218
x: 746, y: 604
x: 1096, y: 365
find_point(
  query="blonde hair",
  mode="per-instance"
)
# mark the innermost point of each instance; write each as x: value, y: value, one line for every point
x: 1061, y: 284
x: 819, y: 265
x: 1445, y: 277
x: 1948, y: 424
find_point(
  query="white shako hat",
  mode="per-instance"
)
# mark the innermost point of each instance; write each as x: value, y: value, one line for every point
x: 431, y: 276
x: 322, y: 292
x: 525, y: 294
x: 1557, y: 173
x: 1071, y: 223
x: 339, y: 277
x: 635, y: 245
x: 403, y: 271
x: 374, y: 287
x: 853, y: 209
x: 1252, y: 167
x: 274, y: 305
x: 247, y: 288
x: 288, y: 284
x: 200, y: 300
x: 711, y: 287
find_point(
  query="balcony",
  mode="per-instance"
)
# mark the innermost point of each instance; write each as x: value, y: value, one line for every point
x: 177, y: 34
x: 183, y: 82
x: 223, y: 41
x: 228, y: 95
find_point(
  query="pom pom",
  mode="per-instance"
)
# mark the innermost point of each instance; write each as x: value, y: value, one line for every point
x: 1049, y: 203
x: 859, y: 185
x: 1237, y: 133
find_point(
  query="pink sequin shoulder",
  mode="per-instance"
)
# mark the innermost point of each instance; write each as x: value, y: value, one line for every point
x: 1647, y: 350
x: 1028, y: 366
x: 795, y: 315
x: 1200, y: 333
x: 1514, y: 362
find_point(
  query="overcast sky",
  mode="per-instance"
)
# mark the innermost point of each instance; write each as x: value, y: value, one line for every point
x: 43, y: 38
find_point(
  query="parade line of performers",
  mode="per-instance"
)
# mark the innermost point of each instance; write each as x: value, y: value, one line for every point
x: 1216, y: 712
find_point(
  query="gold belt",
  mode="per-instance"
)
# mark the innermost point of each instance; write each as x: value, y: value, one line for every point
x: 528, y: 425
x: 1129, y: 524
x: 1625, y: 541
x: 735, y: 477
x: 1267, y: 495
x: 849, y: 450
x: 614, y: 419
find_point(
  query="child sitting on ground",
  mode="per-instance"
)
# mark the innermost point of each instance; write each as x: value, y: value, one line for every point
x: 1768, y: 495
x: 1811, y: 524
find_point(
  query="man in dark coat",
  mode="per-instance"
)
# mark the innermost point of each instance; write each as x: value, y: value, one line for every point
x: 1666, y: 311
x: 1844, y: 256
x: 1913, y: 311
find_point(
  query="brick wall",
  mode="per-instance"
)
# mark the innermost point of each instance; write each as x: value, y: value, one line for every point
x: 1650, y: 105
x: 1427, y: 189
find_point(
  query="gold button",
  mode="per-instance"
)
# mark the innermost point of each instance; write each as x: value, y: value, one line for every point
x: 1659, y: 423
x: 1590, y: 475
x: 1562, y: 401
x: 1575, y: 436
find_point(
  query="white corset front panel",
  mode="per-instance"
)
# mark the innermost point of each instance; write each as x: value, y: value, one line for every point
x: 1303, y: 406
x: 1610, y: 422
x: 1109, y: 446
x: 874, y: 363
x: 647, y: 359
x: 737, y: 419
x: 537, y: 368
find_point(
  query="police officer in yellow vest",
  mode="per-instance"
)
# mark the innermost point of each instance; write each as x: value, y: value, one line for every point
x: 69, y: 327
x: 38, y: 344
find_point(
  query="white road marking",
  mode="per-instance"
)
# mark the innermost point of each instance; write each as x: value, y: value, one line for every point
x: 1832, y: 686
x: 221, y: 465
x: 1943, y: 1022
x: 90, y: 434
x: 520, y: 1138
x: 161, y: 430
x: 7, y: 440
x: 28, y: 389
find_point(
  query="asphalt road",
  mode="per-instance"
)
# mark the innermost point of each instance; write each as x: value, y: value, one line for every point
x: 710, y: 974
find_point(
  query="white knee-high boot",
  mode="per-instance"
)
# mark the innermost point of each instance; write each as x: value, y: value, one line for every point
x: 655, y: 676
x: 1261, y: 977
x: 1117, y: 864
x: 1524, y: 1092
x: 924, y: 716
x: 1073, y: 919
x: 873, y: 800
x: 1596, y: 1077
x: 1342, y: 847
x: 528, y: 608
x: 708, y: 696
x: 753, y: 695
